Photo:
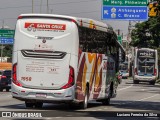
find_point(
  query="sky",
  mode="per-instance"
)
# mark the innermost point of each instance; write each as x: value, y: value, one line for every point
x: 11, y: 9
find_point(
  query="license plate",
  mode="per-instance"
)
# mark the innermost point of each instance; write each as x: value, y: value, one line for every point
x: 41, y: 95
x: 9, y: 85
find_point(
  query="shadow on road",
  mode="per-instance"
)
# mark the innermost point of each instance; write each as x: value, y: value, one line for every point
x: 63, y: 110
x: 137, y: 105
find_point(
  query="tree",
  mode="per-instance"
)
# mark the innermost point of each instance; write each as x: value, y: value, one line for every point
x: 7, y: 51
x: 146, y: 34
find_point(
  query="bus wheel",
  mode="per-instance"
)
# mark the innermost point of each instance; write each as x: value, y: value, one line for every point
x: 7, y: 89
x: 152, y: 83
x: 38, y: 105
x: 1, y: 90
x: 84, y: 104
x: 107, y: 100
x: 72, y: 105
x: 29, y: 104
x: 135, y: 81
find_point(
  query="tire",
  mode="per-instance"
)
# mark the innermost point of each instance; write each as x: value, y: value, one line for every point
x: 1, y: 89
x: 38, y: 105
x: 84, y: 104
x: 152, y: 83
x: 7, y: 89
x: 72, y: 105
x: 107, y: 100
x: 135, y: 81
x: 29, y: 104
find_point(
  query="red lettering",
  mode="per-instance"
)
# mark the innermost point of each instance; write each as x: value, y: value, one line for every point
x: 45, y: 26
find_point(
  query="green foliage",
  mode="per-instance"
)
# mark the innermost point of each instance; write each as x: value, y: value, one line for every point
x: 147, y: 34
x: 7, y: 51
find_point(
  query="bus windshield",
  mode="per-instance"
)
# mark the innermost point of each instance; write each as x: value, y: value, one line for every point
x: 145, y: 62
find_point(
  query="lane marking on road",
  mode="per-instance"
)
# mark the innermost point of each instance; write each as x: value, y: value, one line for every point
x: 143, y: 89
x: 51, y: 118
x: 148, y: 97
x: 139, y: 100
x: 124, y: 88
x: 93, y: 110
x: 5, y: 96
x: 56, y: 117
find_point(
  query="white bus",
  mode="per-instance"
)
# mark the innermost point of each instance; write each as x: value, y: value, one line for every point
x: 145, y: 65
x: 66, y: 59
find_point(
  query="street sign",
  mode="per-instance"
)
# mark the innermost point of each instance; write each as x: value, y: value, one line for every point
x: 6, y: 40
x: 125, y: 9
x: 152, y: 9
x: 6, y: 36
x: 119, y: 39
x: 125, y: 2
x: 124, y: 13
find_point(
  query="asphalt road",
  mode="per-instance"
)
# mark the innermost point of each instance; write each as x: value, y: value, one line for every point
x: 132, y: 101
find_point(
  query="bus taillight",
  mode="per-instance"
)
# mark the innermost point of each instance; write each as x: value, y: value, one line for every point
x: 14, y: 75
x: 155, y: 71
x: 135, y: 71
x: 71, y: 78
x: 19, y: 17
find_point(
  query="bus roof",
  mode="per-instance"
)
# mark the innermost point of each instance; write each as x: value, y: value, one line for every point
x: 151, y: 49
x: 85, y: 22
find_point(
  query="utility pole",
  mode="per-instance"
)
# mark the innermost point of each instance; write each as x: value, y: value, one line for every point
x: 2, y: 43
x: 32, y: 6
x: 118, y: 31
x: 47, y: 7
x: 41, y: 7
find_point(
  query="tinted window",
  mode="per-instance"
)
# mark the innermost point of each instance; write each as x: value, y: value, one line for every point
x: 146, y: 61
x: 96, y: 41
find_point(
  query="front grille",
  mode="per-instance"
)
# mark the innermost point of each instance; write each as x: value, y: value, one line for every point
x: 43, y: 54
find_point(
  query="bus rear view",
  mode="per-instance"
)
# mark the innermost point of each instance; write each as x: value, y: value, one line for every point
x: 44, y: 59
x: 145, y: 66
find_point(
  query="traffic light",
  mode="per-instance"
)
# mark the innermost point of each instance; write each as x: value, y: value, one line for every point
x: 153, y: 9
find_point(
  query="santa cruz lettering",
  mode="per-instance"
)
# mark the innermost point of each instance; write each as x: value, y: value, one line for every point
x: 33, y: 26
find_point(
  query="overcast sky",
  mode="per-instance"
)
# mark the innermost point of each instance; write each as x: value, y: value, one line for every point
x: 11, y: 9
